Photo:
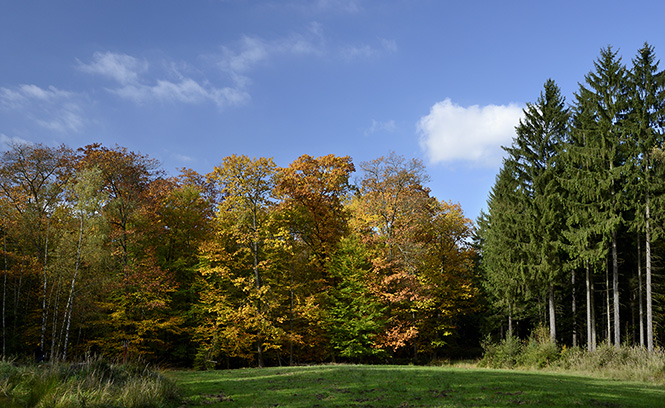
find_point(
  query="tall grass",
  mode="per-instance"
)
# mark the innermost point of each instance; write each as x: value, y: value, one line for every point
x: 93, y: 383
x: 538, y: 352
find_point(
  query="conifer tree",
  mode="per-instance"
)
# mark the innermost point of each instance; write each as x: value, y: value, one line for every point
x: 598, y: 159
x: 539, y: 137
x: 646, y: 118
x: 502, y: 242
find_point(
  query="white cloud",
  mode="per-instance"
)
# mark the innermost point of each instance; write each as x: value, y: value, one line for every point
x: 69, y: 117
x: 131, y: 75
x: 122, y: 68
x: 6, y: 142
x: 473, y: 134
x: 377, y: 126
x: 351, y: 52
x: 323, y: 6
x: 50, y: 108
x: 184, y: 91
x: 27, y: 93
x: 251, y: 51
x: 347, y: 6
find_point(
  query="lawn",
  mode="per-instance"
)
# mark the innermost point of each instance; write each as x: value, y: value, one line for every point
x: 407, y: 386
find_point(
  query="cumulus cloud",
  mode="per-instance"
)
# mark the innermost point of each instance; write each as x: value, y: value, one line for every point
x: 471, y: 134
x: 51, y: 108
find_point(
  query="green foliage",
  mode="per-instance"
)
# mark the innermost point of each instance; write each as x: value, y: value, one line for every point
x: 504, y: 354
x: 355, y: 315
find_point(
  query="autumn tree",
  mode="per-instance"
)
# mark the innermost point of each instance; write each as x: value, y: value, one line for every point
x: 448, y: 277
x: 235, y: 262
x: 391, y: 209
x: 312, y: 192
x: 140, y: 294
x: 32, y: 179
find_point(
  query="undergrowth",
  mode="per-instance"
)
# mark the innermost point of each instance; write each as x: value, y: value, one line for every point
x: 539, y: 352
x: 92, y: 383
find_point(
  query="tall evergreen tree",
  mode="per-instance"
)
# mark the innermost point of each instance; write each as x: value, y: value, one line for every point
x: 539, y: 137
x: 646, y: 118
x: 599, y: 158
x: 502, y: 240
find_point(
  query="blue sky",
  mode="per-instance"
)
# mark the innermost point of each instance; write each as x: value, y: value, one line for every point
x: 189, y: 82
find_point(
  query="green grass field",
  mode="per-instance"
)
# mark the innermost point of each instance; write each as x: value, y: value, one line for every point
x: 407, y: 386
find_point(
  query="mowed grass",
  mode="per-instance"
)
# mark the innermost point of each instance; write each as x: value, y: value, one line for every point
x: 407, y: 386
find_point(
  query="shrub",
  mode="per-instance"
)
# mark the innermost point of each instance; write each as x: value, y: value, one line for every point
x: 540, y: 351
x: 504, y: 354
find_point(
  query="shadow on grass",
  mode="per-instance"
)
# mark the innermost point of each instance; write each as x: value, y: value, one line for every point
x: 407, y: 386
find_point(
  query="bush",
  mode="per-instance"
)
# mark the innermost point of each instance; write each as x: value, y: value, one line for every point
x: 540, y: 351
x: 505, y: 354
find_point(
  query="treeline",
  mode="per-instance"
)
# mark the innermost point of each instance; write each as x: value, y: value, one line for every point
x: 573, y: 235
x: 251, y: 264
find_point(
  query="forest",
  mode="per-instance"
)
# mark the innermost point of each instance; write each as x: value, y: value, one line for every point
x: 572, y: 239
x: 250, y: 265
x: 103, y: 253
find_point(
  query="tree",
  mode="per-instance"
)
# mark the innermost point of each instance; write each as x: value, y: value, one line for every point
x: 32, y: 178
x: 140, y: 294
x: 645, y: 120
x: 313, y: 190
x: 355, y: 316
x: 605, y: 93
x: 392, y: 210
x: 448, y: 276
x: 535, y: 148
x: 503, y: 239
x: 87, y: 203
x: 247, y: 187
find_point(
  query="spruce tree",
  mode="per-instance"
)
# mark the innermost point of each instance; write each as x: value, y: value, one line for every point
x: 598, y: 157
x: 645, y: 120
x: 503, y: 239
x: 539, y: 137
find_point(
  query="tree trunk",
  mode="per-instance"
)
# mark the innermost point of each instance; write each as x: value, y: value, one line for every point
x: 70, y: 301
x: 648, y: 288
x: 552, y: 313
x: 291, y: 319
x: 640, y: 295
x: 589, y: 311
x: 615, y: 291
x: 257, y: 277
x: 4, y: 295
x: 607, y: 303
x: 574, y: 308
x: 44, y: 314
x: 510, y: 320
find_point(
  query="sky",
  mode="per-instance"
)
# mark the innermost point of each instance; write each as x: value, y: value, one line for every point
x: 190, y: 82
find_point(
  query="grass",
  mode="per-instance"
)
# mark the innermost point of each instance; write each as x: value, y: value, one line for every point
x: 93, y: 383
x: 407, y: 386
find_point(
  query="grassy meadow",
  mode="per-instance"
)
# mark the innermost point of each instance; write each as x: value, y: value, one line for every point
x: 407, y: 386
